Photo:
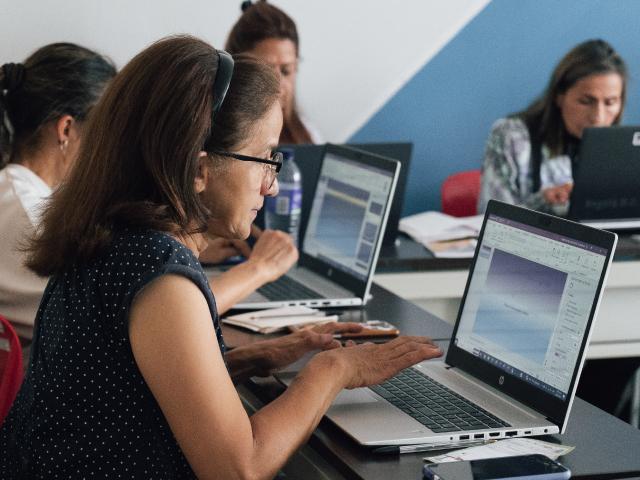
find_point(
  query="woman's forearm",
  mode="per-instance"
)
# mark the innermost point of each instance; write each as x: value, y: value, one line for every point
x: 282, y: 426
x: 245, y: 362
x: 236, y: 283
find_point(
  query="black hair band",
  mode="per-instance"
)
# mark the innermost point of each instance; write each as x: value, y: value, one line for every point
x: 222, y: 81
x: 14, y: 74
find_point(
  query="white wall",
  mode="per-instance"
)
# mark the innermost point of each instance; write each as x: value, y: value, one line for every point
x: 356, y: 53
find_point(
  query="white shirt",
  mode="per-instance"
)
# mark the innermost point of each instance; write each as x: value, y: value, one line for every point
x: 22, y: 195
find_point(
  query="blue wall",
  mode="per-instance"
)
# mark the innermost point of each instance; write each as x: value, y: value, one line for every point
x: 495, y: 66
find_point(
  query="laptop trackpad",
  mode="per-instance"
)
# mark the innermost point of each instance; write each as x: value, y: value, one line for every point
x: 355, y: 397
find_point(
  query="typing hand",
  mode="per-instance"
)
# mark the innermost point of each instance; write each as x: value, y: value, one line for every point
x: 220, y: 249
x: 273, y: 252
x: 370, y: 364
x: 280, y: 352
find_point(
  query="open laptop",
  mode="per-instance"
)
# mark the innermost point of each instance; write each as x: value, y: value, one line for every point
x: 309, y: 158
x: 342, y: 240
x: 606, y: 192
x: 517, y: 348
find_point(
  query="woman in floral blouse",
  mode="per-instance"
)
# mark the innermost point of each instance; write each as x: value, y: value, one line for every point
x: 530, y: 156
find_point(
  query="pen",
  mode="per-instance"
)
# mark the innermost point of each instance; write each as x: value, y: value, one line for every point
x: 397, y: 449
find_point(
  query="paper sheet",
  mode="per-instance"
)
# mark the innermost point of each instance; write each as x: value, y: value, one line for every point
x: 444, y: 235
x: 275, y: 319
x: 453, y: 248
x: 504, y: 448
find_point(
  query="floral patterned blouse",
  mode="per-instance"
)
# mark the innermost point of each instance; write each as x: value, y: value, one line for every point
x: 507, y: 173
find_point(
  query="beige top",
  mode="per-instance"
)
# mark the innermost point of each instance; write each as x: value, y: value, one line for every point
x: 22, y: 194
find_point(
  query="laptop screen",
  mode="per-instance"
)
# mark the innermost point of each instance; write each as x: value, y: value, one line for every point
x: 529, y: 302
x: 346, y: 215
x: 605, y: 191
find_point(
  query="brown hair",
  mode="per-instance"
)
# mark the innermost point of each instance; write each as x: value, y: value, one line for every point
x: 138, y: 165
x: 544, y: 118
x: 57, y: 79
x: 261, y: 21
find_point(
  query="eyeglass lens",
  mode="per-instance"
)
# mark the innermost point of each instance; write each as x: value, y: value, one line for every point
x: 272, y: 171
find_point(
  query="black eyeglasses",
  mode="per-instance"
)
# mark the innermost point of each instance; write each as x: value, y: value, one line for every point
x: 274, y: 164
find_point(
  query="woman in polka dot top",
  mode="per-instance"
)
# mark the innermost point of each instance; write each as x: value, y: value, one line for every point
x: 129, y: 376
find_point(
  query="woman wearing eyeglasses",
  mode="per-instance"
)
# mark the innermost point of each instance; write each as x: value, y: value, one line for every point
x: 267, y: 33
x: 129, y: 374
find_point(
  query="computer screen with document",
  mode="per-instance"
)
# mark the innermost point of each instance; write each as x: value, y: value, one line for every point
x: 346, y: 217
x: 529, y: 302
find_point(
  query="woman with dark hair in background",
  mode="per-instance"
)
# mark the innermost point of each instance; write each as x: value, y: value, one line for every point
x: 43, y: 106
x: 530, y: 155
x: 269, y: 34
x: 129, y: 374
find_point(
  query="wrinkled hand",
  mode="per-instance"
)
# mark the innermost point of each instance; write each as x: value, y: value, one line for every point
x: 274, y: 252
x: 280, y: 352
x: 370, y: 364
x: 556, y: 195
x: 219, y: 249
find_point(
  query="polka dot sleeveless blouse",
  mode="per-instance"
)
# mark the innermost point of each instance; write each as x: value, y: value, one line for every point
x: 84, y: 409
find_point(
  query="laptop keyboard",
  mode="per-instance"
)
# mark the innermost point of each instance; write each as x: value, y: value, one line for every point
x: 434, y: 405
x: 286, y: 288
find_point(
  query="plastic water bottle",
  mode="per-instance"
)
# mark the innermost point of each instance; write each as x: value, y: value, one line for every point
x: 283, y: 211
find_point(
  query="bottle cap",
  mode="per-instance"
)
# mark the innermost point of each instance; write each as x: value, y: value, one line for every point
x: 287, y: 153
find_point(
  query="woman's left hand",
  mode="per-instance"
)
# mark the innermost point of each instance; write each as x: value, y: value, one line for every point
x: 279, y: 352
x: 220, y: 249
x: 558, y: 195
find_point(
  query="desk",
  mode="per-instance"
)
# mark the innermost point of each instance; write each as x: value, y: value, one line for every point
x: 437, y: 285
x: 605, y: 446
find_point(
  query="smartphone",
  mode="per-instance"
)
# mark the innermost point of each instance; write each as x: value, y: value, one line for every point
x: 373, y: 328
x: 534, y: 467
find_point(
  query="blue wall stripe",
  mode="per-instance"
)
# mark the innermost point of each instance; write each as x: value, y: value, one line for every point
x: 496, y: 65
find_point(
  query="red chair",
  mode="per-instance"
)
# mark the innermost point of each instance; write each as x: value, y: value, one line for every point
x: 459, y: 193
x: 10, y: 366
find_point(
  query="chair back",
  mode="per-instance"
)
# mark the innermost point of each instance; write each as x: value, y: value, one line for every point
x: 459, y: 193
x: 10, y: 366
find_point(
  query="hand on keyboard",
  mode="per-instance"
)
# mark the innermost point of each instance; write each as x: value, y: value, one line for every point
x: 272, y: 355
x: 369, y: 364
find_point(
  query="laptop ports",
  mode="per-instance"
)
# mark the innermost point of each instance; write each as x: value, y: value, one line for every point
x: 478, y: 435
x: 512, y: 433
x: 463, y: 437
x: 494, y: 434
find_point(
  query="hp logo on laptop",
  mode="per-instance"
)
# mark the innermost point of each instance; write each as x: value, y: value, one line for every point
x: 501, y: 380
x: 636, y: 139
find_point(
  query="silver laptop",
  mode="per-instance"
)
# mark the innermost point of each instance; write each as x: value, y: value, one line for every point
x: 606, y: 191
x: 517, y: 348
x: 344, y: 233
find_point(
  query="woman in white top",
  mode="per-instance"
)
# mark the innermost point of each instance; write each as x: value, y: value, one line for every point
x: 43, y: 104
x: 45, y: 101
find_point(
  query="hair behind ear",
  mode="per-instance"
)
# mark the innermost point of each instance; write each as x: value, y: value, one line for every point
x: 57, y: 79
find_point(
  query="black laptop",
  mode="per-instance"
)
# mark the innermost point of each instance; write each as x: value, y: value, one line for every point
x: 606, y: 192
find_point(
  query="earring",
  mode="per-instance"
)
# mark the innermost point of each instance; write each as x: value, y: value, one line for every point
x: 63, y: 144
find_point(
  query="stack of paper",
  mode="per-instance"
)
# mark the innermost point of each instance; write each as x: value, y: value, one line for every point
x: 504, y: 448
x: 274, y: 319
x: 444, y: 235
